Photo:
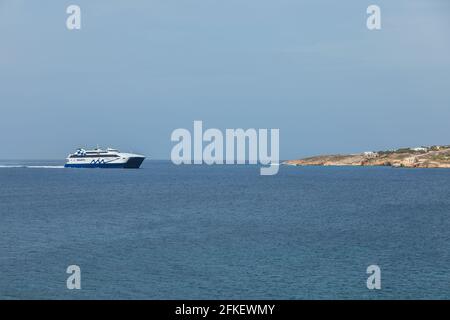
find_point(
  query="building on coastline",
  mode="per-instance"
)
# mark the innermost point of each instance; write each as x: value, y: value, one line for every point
x: 370, y: 154
x: 419, y: 149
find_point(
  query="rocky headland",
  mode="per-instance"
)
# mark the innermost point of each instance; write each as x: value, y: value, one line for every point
x: 419, y: 157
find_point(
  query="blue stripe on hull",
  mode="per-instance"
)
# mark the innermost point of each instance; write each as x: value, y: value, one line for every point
x: 132, y: 163
x: 93, y: 165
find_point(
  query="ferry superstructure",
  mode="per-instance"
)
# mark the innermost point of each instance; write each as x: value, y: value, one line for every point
x: 98, y: 158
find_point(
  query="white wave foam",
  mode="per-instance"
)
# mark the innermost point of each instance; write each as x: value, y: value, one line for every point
x: 45, y: 167
x: 31, y: 167
x: 11, y: 166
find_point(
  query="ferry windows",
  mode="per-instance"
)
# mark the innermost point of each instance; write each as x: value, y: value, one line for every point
x: 95, y: 156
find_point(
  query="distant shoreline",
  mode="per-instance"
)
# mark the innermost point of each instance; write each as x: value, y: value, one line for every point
x: 418, y: 157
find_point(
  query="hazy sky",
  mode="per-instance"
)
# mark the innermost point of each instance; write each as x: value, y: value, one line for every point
x: 137, y: 70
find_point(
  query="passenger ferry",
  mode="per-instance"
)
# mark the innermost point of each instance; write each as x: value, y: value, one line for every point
x: 98, y: 158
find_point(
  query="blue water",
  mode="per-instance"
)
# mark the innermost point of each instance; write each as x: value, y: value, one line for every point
x: 223, y: 232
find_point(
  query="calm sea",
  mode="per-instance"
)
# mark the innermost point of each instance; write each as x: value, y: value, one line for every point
x: 223, y: 232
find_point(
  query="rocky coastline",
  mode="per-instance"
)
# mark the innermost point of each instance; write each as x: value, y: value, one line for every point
x: 419, y: 157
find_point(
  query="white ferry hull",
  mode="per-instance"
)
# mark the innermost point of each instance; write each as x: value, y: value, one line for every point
x: 132, y: 163
x: 97, y: 158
